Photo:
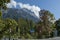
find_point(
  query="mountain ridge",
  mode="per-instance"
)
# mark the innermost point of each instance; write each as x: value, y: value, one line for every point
x: 20, y: 13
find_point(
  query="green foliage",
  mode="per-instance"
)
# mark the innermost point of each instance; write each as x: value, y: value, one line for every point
x: 2, y: 25
x: 57, y: 26
x: 11, y: 23
x: 23, y: 27
x: 44, y: 27
x: 3, y: 3
x: 0, y: 13
x: 10, y: 27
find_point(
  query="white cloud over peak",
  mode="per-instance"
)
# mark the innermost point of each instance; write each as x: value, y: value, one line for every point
x: 33, y: 8
x: 12, y: 4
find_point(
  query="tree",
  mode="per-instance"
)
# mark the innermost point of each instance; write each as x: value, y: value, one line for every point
x: 22, y: 24
x: 0, y: 14
x: 10, y: 28
x: 2, y: 25
x: 57, y: 26
x: 46, y: 21
x: 3, y: 4
x: 32, y: 29
x: 25, y: 26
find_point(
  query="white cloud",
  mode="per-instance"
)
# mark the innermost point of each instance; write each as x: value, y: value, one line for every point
x: 12, y: 4
x: 33, y: 8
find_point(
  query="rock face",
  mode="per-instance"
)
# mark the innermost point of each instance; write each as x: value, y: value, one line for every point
x: 20, y: 13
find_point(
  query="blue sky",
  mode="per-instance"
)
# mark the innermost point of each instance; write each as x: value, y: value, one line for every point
x: 52, y: 5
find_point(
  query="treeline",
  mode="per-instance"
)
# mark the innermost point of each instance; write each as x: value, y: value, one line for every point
x: 28, y: 29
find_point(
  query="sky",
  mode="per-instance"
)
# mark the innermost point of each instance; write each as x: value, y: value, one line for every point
x: 36, y: 5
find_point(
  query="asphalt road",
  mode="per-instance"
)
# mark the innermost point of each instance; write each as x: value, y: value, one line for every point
x: 55, y: 38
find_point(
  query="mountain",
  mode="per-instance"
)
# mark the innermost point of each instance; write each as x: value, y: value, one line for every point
x: 20, y: 13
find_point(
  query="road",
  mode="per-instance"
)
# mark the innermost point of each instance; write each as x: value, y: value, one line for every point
x: 55, y: 38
